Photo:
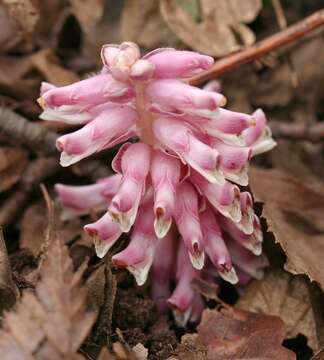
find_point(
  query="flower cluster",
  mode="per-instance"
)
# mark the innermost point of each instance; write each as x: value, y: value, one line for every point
x: 180, y: 187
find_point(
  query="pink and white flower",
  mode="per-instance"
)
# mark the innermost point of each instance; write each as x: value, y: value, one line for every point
x: 179, y: 186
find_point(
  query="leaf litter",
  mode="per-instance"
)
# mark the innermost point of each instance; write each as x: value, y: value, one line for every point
x: 65, y: 303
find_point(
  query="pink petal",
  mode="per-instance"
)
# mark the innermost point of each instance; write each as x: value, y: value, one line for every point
x: 94, y: 90
x: 165, y: 175
x: 186, y: 215
x: 178, y: 137
x: 162, y: 270
x: 171, y: 63
x: 104, y: 232
x: 134, y: 165
x: 216, y: 248
x: 138, y: 255
x: 85, y: 197
x: 178, y: 97
x: 96, y: 135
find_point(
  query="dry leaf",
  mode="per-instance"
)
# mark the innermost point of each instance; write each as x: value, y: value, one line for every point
x: 283, y: 295
x: 294, y: 214
x: 235, y: 334
x: 13, y: 161
x: 52, y: 322
x: 141, y: 22
x: 9, y: 34
x: 33, y: 227
x: 88, y: 12
x: 46, y: 62
x: 140, y: 351
x: 8, y: 289
x: 191, y: 348
x: 106, y: 355
x: 24, y: 13
x: 222, y: 24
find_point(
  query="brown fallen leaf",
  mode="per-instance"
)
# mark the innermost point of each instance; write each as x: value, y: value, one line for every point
x: 24, y: 12
x: 52, y: 322
x: 33, y: 227
x: 106, y: 355
x: 222, y: 24
x: 8, y: 289
x: 13, y: 161
x: 47, y: 63
x: 230, y: 333
x: 283, y: 295
x: 294, y: 214
x: 88, y: 12
x: 102, y: 287
x: 141, y: 22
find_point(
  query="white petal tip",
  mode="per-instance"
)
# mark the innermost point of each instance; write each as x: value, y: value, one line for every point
x: 123, y: 219
x: 161, y: 227
x: 181, y: 318
x: 197, y: 260
x: 230, y: 276
x: 101, y: 247
x: 140, y: 273
x: 67, y: 160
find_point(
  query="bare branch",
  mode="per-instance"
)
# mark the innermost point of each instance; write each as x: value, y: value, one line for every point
x: 247, y: 55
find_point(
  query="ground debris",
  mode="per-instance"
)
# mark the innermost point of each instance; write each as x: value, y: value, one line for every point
x: 51, y: 322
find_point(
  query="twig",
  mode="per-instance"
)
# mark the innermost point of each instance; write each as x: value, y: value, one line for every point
x: 247, y: 55
x: 15, y: 127
x: 293, y: 131
x: 282, y: 22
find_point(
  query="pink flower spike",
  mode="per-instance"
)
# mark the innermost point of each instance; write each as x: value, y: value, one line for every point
x: 104, y: 233
x: 170, y: 63
x: 216, y: 248
x: 173, y: 96
x: 162, y: 270
x: 133, y: 161
x: 96, y: 135
x: 224, y: 198
x: 138, y: 255
x: 178, y: 180
x: 187, y: 218
x: 183, y: 295
x: 165, y: 174
x: 178, y: 138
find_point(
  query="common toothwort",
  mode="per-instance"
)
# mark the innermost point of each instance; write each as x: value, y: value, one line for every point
x: 180, y: 188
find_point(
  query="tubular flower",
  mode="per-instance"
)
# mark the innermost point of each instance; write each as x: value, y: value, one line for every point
x: 179, y: 186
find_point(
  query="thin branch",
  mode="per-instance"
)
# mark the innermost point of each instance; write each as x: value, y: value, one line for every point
x: 293, y: 131
x: 282, y: 22
x: 247, y: 55
x: 16, y: 128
